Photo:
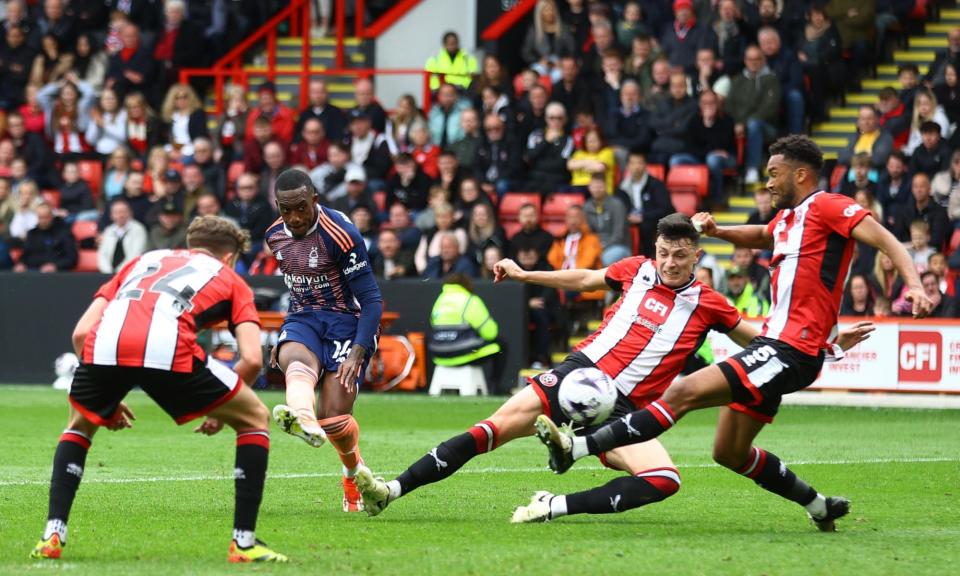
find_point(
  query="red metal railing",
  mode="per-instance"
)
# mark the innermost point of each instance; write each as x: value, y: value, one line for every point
x: 389, y: 18
x: 242, y: 77
x: 507, y: 20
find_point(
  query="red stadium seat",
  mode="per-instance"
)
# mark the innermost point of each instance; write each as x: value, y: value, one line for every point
x: 380, y: 200
x: 635, y: 239
x: 836, y: 177
x: 555, y: 208
x: 511, y: 228
x: 687, y: 185
x: 954, y: 241
x: 87, y: 261
x: 556, y: 229
x: 657, y: 171
x: 685, y: 202
x: 83, y: 229
x: 51, y: 197
x: 92, y: 172
x: 510, y: 206
x: 234, y: 172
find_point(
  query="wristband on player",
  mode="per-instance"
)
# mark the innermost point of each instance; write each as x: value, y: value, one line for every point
x: 833, y: 353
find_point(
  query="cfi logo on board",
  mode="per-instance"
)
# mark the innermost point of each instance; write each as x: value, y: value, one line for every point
x: 920, y: 356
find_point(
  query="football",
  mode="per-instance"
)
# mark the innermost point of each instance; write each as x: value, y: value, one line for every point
x: 587, y: 396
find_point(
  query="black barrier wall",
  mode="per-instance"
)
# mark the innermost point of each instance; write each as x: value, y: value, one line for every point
x: 38, y: 312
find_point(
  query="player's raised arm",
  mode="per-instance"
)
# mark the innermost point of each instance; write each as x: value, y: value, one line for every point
x: 580, y: 280
x: 749, y: 235
x: 251, y: 355
x: 869, y: 231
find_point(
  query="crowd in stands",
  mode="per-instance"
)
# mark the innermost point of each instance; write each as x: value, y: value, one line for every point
x: 560, y: 164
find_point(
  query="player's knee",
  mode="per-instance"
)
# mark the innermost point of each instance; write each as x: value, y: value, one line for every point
x: 79, y: 422
x: 681, y: 396
x: 728, y: 456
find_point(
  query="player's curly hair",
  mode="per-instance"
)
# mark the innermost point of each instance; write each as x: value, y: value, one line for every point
x: 799, y: 148
x: 218, y: 235
x: 677, y: 226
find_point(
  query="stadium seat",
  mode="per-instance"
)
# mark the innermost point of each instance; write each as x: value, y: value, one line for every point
x: 234, y: 172
x: 510, y: 207
x: 87, y: 261
x: 954, y: 241
x: 510, y: 229
x: 657, y: 171
x: 836, y: 177
x: 380, y: 200
x: 685, y: 202
x: 693, y: 179
x: 556, y: 229
x: 636, y: 243
x: 83, y: 229
x: 91, y: 171
x: 555, y: 208
x: 51, y: 197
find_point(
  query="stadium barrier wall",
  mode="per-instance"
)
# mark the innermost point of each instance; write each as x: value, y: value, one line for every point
x: 38, y: 313
x: 902, y: 355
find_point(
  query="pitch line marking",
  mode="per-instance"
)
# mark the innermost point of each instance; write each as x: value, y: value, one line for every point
x: 489, y: 470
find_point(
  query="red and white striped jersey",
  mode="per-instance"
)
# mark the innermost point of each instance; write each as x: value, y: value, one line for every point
x: 647, y: 335
x: 157, y: 302
x: 812, y: 249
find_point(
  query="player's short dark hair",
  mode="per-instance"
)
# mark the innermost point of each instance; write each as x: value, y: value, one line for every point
x: 459, y: 279
x: 929, y: 127
x: 799, y: 148
x: 677, y: 226
x: 218, y: 235
x: 293, y: 179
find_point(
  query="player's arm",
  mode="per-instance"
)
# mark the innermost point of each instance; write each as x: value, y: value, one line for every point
x: 869, y: 231
x: 749, y: 235
x: 579, y: 280
x: 743, y: 333
x: 251, y: 356
x: 86, y: 322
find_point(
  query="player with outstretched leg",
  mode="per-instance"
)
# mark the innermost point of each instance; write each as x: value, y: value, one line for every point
x: 812, y: 238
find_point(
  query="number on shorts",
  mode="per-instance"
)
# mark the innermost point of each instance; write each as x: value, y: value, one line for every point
x: 340, y: 350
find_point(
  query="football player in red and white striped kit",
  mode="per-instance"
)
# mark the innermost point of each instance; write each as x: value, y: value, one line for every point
x: 812, y: 238
x: 141, y: 330
x: 661, y: 318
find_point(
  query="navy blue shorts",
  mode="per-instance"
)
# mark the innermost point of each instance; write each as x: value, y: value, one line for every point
x: 328, y: 335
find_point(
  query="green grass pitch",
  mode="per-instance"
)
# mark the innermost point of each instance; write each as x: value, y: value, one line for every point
x: 158, y: 499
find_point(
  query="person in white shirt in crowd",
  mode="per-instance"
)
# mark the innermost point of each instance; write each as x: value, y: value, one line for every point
x: 122, y: 241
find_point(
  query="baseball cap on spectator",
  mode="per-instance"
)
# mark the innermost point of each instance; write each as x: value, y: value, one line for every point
x: 267, y: 86
x: 357, y: 114
x: 681, y: 4
x: 355, y: 174
x: 171, y: 207
x: 171, y: 175
x: 736, y: 271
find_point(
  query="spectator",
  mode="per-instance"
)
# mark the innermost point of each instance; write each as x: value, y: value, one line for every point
x: 424, y: 152
x: 858, y: 299
x: 449, y: 259
x: 253, y: 212
x: 449, y: 174
x: 855, y: 22
x: 232, y: 125
x: 51, y: 64
x: 572, y: 89
x: 595, y: 157
x: 893, y: 187
x: 639, y: 62
x: 143, y: 127
x: 468, y: 195
x: 280, y: 117
x: 53, y: 21
x: 131, y: 68
x: 944, y: 306
x: 579, y: 247
x: 946, y: 183
x: 948, y: 96
x: 368, y: 148
x: 483, y: 231
x: 492, y: 75
x: 451, y: 65
x: 444, y: 118
x: 18, y: 18
x: 274, y: 164
x: 885, y: 278
x: 547, y: 40
x: 467, y: 148
x: 253, y: 147
x: 709, y: 77
x: 404, y: 116
x: 194, y: 186
x: 754, y: 104
x: 659, y: 88
x: 532, y: 114
x: 122, y: 241
x: 33, y: 150
x: 118, y: 168
x: 329, y: 178
x: 919, y: 247
x: 390, y: 260
x: 135, y: 198
x: 531, y: 235
x: 681, y: 41
x: 786, y: 67
x: 710, y: 140
x: 16, y: 63
x: 607, y: 217
x: 409, y: 186
x: 933, y: 154
x: 741, y: 296
x: 107, y: 129
x: 319, y: 107
x: 400, y: 223
x: 170, y: 232
x: 362, y: 216
x: 212, y: 171
x: 168, y: 186
x: 157, y: 166
x: 184, y: 120
x: 631, y: 25
x: 671, y: 121
x: 367, y: 105
x: 759, y: 276
x: 604, y: 41
x: 909, y: 76
x: 67, y: 97
x: 764, y: 212
x: 311, y: 150
x: 819, y: 50
x: 429, y: 247
x: 356, y: 195
x: 871, y: 139
x: 629, y: 125
x: 936, y: 73
x: 543, y: 305
x: 49, y: 247
x: 923, y: 208
x: 34, y: 116
x: 180, y: 43
x: 893, y: 119
x: 646, y: 200
x: 8, y: 205
x: 209, y: 205
x: 606, y: 89
x: 937, y: 263
x: 731, y: 34
x: 498, y: 158
x: 925, y: 109
x: 858, y: 177
x: 75, y: 195
x: 90, y: 63
x: 547, y: 153
x: 491, y: 255
x: 25, y: 218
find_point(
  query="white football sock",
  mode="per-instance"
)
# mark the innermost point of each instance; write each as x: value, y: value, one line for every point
x: 558, y: 507
x: 395, y: 491
x: 818, y: 506
x: 351, y: 472
x: 58, y: 527
x: 244, y: 538
x: 579, y: 447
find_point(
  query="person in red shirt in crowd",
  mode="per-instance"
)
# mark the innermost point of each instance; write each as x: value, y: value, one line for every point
x: 179, y: 44
x: 281, y: 117
x: 893, y: 116
x: 130, y: 69
x: 311, y: 150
